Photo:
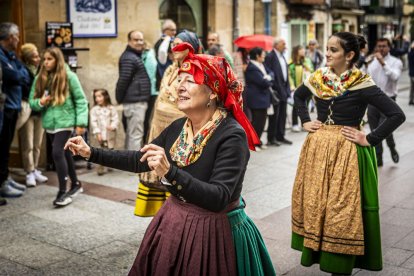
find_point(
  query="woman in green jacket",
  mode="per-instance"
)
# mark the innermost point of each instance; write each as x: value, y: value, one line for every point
x: 299, y: 69
x: 58, y: 95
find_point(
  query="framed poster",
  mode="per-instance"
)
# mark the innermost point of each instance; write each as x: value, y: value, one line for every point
x: 59, y: 34
x: 93, y: 18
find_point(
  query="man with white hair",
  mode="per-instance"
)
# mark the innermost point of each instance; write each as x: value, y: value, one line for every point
x: 276, y: 62
x: 13, y: 79
x: 162, y: 46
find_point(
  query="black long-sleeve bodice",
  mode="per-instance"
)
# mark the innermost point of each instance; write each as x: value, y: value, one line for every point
x: 349, y: 110
x: 212, y: 182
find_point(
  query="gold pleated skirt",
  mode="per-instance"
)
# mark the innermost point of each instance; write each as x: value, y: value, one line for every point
x: 326, y: 198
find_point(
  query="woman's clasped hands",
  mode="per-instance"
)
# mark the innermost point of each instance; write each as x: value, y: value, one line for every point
x: 156, y: 158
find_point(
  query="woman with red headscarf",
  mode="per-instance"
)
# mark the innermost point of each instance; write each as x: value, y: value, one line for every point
x: 201, y: 229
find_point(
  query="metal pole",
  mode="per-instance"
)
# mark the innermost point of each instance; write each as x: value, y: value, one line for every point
x: 267, y: 11
x: 235, y: 21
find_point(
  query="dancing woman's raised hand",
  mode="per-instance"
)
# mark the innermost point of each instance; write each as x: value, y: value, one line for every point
x: 78, y: 146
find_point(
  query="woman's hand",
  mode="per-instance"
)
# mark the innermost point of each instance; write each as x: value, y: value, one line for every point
x: 355, y: 135
x: 78, y: 147
x: 312, y: 126
x: 80, y: 130
x: 45, y: 100
x: 156, y: 158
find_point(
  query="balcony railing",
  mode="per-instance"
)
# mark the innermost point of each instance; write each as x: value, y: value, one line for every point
x: 344, y: 4
x: 307, y: 2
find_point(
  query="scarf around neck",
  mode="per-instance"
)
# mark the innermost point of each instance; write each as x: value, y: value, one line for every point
x: 325, y: 84
x: 189, y: 146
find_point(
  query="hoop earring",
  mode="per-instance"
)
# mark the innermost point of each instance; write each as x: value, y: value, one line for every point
x: 347, y: 62
x: 209, y: 103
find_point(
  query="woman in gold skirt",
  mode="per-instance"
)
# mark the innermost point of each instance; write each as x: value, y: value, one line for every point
x: 335, y: 220
x: 151, y: 194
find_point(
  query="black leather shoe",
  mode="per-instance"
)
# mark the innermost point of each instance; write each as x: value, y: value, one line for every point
x: 379, y: 162
x: 273, y: 143
x: 394, y: 155
x: 3, y: 201
x: 411, y: 103
x: 285, y: 141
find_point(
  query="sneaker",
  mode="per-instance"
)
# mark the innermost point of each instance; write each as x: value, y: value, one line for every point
x: 257, y: 148
x: 263, y: 146
x: 75, y: 190
x: 3, y: 201
x: 296, y: 128
x: 62, y: 199
x: 30, y: 180
x: 40, y: 177
x: 8, y: 191
x: 16, y: 185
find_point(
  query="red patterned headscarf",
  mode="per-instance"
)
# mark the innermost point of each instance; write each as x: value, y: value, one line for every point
x: 217, y: 74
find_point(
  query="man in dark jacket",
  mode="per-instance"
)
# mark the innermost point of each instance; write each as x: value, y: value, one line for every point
x: 411, y: 73
x: 13, y: 80
x: 276, y: 62
x: 133, y: 90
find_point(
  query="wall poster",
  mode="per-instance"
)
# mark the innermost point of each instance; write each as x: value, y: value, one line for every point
x: 93, y: 18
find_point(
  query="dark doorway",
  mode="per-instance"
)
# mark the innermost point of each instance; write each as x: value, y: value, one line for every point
x: 179, y: 11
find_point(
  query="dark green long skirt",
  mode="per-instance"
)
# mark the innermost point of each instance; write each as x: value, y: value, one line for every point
x: 372, y: 258
x: 251, y: 253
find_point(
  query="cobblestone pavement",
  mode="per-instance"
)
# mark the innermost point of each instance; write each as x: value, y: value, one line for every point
x: 99, y: 235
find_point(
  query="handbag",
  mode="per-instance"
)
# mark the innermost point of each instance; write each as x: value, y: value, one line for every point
x: 274, y: 97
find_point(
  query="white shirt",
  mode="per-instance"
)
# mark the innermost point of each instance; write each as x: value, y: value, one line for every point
x: 386, y: 77
x: 283, y: 64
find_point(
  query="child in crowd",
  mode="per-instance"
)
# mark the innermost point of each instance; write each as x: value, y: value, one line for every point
x: 104, y: 121
x: 58, y: 95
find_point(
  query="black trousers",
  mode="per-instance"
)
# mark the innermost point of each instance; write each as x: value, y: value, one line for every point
x: 259, y: 117
x: 271, y: 127
x: 6, y: 139
x: 295, y: 116
x: 148, y: 115
x: 375, y: 118
x: 63, y: 158
x: 281, y: 121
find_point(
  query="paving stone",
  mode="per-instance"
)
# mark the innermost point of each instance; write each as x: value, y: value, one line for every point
x: 282, y: 262
x: 132, y: 239
x: 102, y: 207
x: 75, y: 237
x: 409, y: 263
x: 407, y: 242
x: 115, y: 179
x: 66, y: 216
x: 399, y: 216
x: 32, y: 253
x: 116, y: 253
x: 387, y: 271
x: 8, y: 267
x: 308, y: 271
x: 396, y: 256
x: 407, y: 203
x: 391, y: 234
x: 81, y: 266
